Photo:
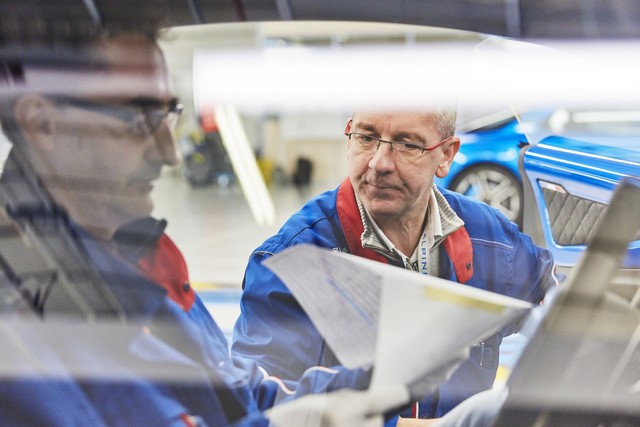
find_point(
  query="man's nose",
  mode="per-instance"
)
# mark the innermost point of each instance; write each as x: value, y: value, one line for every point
x: 166, y: 144
x: 382, y: 158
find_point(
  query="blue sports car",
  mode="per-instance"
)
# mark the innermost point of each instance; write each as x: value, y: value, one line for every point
x: 486, y: 167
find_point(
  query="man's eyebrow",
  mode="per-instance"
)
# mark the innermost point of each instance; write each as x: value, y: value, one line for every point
x: 411, y: 136
x: 402, y: 135
x: 365, y: 126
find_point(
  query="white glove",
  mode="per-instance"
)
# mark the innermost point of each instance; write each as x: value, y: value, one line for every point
x: 342, y: 408
x: 428, y: 383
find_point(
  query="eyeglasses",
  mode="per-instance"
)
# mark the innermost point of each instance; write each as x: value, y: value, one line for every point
x: 407, y: 149
x: 142, y: 115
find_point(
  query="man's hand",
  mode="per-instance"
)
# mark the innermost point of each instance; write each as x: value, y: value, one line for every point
x: 342, y: 408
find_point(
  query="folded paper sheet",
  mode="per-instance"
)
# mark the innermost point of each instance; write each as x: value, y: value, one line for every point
x: 404, y: 323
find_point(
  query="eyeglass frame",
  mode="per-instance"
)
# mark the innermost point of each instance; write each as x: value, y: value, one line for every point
x: 143, y: 105
x: 391, y: 143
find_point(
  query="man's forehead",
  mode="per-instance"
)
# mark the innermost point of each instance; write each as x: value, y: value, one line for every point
x: 128, y: 51
x: 395, y: 119
x: 120, y: 67
x: 133, y: 66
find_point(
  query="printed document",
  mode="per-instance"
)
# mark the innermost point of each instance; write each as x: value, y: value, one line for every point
x: 404, y: 323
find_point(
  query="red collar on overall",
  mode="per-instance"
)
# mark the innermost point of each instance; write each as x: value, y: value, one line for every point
x: 457, y: 244
x: 166, y: 265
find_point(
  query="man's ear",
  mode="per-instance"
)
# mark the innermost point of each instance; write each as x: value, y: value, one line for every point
x: 449, y: 151
x: 347, y: 129
x: 36, y: 117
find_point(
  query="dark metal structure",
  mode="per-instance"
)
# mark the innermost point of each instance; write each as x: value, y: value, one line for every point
x: 527, y: 19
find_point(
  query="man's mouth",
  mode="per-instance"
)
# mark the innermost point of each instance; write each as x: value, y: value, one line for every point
x: 381, y: 186
x: 142, y: 185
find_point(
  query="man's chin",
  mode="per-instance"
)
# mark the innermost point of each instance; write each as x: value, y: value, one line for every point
x: 141, y: 211
x: 131, y: 209
x: 381, y: 209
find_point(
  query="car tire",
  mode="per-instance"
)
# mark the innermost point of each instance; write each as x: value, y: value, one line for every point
x: 493, y: 185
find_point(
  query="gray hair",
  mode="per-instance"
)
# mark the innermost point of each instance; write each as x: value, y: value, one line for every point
x: 446, y: 121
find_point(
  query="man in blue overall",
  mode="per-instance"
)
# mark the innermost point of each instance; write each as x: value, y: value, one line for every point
x: 389, y: 210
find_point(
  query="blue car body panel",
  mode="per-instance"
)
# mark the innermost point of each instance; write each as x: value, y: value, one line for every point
x: 589, y: 172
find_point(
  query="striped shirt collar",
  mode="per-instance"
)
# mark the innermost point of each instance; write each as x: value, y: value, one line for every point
x: 441, y: 222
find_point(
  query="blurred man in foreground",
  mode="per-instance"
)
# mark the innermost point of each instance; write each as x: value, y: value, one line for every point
x: 108, y: 330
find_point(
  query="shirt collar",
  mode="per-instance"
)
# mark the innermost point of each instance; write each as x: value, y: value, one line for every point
x: 449, y: 220
x: 441, y: 221
x: 136, y: 238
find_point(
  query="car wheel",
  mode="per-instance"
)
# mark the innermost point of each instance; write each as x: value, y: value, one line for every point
x: 494, y: 186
